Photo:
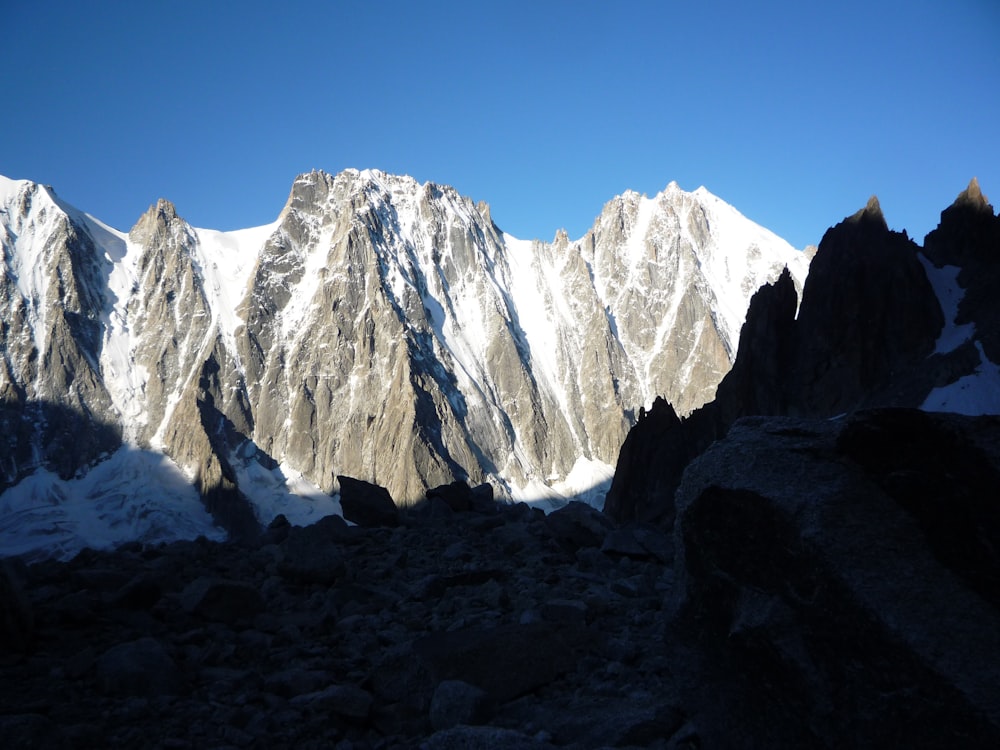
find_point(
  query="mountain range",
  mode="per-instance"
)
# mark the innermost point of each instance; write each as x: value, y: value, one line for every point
x: 175, y: 381
x: 807, y: 558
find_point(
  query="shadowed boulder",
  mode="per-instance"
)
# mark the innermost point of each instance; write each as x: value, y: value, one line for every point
x: 366, y: 504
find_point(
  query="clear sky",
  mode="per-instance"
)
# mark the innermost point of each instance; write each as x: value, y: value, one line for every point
x: 794, y: 112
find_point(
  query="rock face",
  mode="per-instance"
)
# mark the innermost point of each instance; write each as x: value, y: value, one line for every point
x: 454, y: 351
x: 836, y: 583
x: 876, y: 327
x: 53, y: 282
x: 380, y: 329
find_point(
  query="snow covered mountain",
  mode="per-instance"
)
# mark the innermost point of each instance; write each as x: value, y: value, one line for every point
x: 379, y: 328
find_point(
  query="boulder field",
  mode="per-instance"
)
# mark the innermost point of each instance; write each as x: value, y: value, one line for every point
x: 825, y: 583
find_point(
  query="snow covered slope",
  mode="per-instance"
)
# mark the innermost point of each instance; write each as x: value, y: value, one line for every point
x: 979, y: 391
x: 379, y: 328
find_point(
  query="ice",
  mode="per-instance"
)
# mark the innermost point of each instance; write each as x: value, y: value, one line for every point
x: 588, y: 481
x: 531, y: 293
x: 132, y: 496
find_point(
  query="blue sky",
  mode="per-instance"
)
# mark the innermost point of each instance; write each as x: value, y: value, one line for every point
x: 793, y: 112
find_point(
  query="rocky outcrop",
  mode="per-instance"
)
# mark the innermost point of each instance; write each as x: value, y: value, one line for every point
x: 430, y: 312
x: 17, y: 621
x: 835, y: 583
x: 868, y: 312
x: 367, y: 504
x: 865, y: 334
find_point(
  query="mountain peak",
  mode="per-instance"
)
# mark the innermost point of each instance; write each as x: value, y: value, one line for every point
x: 155, y: 221
x: 484, y: 210
x: 973, y: 196
x: 870, y: 214
x: 165, y: 209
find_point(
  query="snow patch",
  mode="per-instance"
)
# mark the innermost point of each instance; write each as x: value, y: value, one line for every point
x: 227, y: 261
x: 588, y: 481
x: 132, y: 496
x: 972, y: 395
x: 283, y: 491
x: 944, y: 282
x: 740, y: 250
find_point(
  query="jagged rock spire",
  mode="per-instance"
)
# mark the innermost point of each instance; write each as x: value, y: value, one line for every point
x: 973, y: 197
x: 871, y: 213
x: 154, y: 222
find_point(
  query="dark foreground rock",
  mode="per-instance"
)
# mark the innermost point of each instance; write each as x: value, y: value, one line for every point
x: 366, y: 504
x: 472, y: 629
x: 836, y: 583
x: 827, y: 583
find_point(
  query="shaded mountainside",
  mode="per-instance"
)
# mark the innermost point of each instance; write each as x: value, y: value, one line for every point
x: 881, y: 323
x: 379, y: 328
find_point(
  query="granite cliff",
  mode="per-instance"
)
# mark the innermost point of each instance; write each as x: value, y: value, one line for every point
x: 379, y: 328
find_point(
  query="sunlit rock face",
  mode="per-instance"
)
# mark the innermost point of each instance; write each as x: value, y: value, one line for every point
x: 393, y: 332
x: 380, y: 328
x: 53, y: 291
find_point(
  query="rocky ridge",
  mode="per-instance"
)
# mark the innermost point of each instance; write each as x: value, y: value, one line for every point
x: 380, y: 328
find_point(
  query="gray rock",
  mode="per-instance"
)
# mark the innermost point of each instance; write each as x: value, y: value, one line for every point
x: 367, y: 504
x: 483, y: 738
x: 141, y: 592
x: 296, y: 681
x: 622, y: 542
x: 457, y: 495
x: 570, y: 611
x: 221, y: 600
x: 31, y: 731
x: 505, y: 662
x: 347, y: 701
x: 314, y: 554
x: 830, y: 578
x: 455, y: 702
x: 138, y: 668
x: 483, y: 498
x: 578, y: 525
x: 17, y: 619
